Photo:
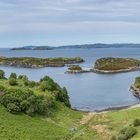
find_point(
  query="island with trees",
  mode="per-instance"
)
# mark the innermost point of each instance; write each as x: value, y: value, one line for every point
x: 115, y: 65
x: 32, y: 62
x: 76, y: 69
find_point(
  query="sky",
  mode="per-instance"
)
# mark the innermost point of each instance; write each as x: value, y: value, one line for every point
x: 66, y: 22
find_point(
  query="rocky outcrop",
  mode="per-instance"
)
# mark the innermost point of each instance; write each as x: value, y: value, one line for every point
x: 135, y: 91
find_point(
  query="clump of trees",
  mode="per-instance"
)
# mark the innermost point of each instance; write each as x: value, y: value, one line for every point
x: 46, y: 83
x: 25, y: 100
x: 75, y: 68
x: 25, y: 96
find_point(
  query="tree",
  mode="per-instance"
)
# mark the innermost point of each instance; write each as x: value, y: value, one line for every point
x: 43, y: 85
x: 12, y: 81
x: 13, y: 75
x: 2, y: 74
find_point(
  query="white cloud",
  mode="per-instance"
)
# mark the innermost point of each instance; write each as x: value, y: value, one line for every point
x: 70, y: 16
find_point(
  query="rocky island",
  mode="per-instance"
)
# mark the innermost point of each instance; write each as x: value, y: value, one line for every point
x: 115, y: 65
x: 32, y: 62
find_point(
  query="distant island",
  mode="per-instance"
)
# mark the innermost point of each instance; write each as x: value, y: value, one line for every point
x: 33, y: 48
x: 83, y: 46
x: 115, y: 65
x: 32, y: 62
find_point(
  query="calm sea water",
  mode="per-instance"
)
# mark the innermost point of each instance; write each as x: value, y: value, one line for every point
x: 88, y: 91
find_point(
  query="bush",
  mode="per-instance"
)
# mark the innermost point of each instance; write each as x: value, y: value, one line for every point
x: 48, y: 84
x: 43, y: 85
x: 63, y: 97
x: 13, y: 75
x: 12, y: 81
x: 136, y: 122
x: 17, y: 100
x: 2, y: 74
x: 127, y: 133
x: 113, y: 138
x: 11, y: 107
x: 23, y: 77
x: 29, y: 83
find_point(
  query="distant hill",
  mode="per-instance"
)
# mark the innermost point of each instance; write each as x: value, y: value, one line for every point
x: 100, y: 45
x: 84, y: 46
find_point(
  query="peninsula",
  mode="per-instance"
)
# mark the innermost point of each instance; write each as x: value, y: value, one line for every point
x: 115, y: 65
x: 32, y: 62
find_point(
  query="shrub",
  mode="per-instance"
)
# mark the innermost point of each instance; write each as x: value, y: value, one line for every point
x: 43, y: 85
x: 63, y: 97
x: 2, y: 74
x: 136, y: 122
x: 113, y: 138
x: 24, y: 100
x: 127, y: 133
x: 13, y: 75
x: 49, y: 84
x: 12, y: 81
x: 31, y: 83
x: 23, y: 77
x: 11, y: 107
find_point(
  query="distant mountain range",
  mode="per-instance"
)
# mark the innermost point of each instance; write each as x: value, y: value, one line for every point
x: 84, y: 46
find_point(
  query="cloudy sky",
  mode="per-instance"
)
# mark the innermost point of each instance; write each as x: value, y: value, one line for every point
x: 61, y: 22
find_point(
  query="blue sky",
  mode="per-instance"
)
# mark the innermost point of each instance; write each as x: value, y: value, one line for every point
x: 62, y: 22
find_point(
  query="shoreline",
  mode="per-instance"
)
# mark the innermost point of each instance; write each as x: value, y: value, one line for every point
x: 111, y: 109
x: 115, y: 71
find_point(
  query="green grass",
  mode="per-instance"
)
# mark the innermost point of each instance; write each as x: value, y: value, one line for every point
x: 24, y: 127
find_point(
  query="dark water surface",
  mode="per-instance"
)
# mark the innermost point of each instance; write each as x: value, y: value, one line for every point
x: 88, y: 91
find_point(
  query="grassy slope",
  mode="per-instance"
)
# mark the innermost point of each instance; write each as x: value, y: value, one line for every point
x: 58, y: 126
x: 24, y: 127
x: 111, y: 123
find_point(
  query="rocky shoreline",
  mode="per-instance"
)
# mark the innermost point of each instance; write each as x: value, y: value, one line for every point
x: 115, y: 71
x: 135, y: 91
x: 77, y: 71
x: 119, y: 108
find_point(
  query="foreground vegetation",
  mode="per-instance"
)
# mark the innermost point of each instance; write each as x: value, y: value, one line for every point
x: 31, y: 62
x: 41, y: 110
x: 19, y: 94
x: 114, y: 64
